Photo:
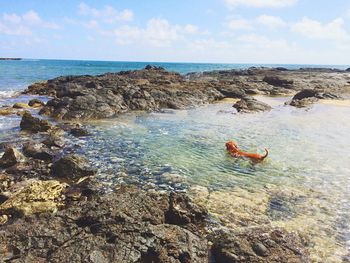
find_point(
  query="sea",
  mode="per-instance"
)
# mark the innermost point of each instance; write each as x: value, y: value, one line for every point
x: 303, y: 185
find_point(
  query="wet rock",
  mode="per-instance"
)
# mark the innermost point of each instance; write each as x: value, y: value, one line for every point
x: 33, y: 124
x: 40, y: 88
x: 182, y: 211
x: 72, y: 167
x: 54, y: 140
x: 33, y: 196
x: 37, y: 151
x: 259, y: 245
x: 249, y: 104
x: 278, y: 82
x: 125, y: 226
x: 19, y: 105
x: 172, y: 178
x: 79, y: 132
x: 11, y: 157
x: 36, y: 103
x: 5, y: 111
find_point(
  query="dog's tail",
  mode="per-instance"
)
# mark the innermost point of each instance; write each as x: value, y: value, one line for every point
x: 266, y: 154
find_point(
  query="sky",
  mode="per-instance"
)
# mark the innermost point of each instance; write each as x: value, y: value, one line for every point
x: 218, y: 31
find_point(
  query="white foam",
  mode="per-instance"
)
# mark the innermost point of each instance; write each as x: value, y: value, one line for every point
x: 7, y: 93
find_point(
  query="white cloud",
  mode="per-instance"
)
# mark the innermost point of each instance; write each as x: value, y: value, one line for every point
x: 261, y: 3
x: 191, y: 29
x: 17, y: 30
x: 271, y: 22
x: 31, y: 17
x: 313, y: 29
x: 23, y: 25
x: 158, y: 32
x: 107, y: 14
x: 12, y: 18
x: 239, y: 24
x: 258, y: 41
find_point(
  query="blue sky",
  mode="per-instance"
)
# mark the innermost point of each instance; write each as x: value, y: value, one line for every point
x: 228, y: 31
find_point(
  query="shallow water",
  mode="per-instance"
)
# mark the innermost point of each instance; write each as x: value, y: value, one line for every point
x: 305, y: 179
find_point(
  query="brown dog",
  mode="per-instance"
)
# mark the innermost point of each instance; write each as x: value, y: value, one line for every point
x: 233, y: 149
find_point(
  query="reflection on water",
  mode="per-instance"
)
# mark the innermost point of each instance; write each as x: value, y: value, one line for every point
x: 302, y: 186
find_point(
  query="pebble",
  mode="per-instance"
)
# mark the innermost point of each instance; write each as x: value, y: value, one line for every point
x: 260, y: 249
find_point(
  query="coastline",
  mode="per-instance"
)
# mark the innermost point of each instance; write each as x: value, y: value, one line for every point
x: 156, y: 215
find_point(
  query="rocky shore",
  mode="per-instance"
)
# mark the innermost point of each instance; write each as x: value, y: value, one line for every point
x: 52, y: 205
x: 154, y: 89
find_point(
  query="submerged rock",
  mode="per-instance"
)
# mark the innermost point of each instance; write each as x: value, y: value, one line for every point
x: 260, y: 245
x: 38, y: 151
x: 72, y: 167
x: 33, y: 124
x: 11, y: 157
x: 249, y: 104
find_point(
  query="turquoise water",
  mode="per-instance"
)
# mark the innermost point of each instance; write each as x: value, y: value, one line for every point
x: 17, y: 74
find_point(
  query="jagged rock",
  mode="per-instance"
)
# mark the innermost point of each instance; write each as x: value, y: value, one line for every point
x: 37, y: 151
x: 33, y: 196
x: 278, y: 82
x: 11, y: 157
x: 33, y: 124
x: 72, y: 167
x: 260, y: 245
x: 36, y: 103
x: 249, y: 104
x: 126, y: 226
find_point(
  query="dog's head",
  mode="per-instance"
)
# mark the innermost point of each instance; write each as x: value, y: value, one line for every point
x: 231, y: 146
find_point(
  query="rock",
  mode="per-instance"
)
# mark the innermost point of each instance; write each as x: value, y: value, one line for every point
x: 11, y: 157
x: 348, y: 69
x: 232, y: 92
x: 33, y: 196
x: 5, y: 182
x: 306, y: 93
x: 171, y: 178
x: 126, y: 226
x: 306, y: 102
x: 150, y: 67
x: 72, y: 167
x: 79, y: 132
x: 33, y: 124
x: 183, y: 212
x: 37, y: 151
x: 19, y: 105
x: 278, y: 82
x: 36, y: 103
x: 40, y: 88
x: 260, y: 249
x: 5, y: 111
x: 259, y: 245
x: 249, y: 104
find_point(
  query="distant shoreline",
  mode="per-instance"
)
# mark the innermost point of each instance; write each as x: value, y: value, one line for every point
x: 10, y: 58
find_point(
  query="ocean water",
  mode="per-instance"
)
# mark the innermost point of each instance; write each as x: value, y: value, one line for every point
x: 302, y: 186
